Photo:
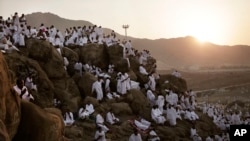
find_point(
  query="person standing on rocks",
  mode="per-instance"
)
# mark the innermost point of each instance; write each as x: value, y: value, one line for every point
x: 97, y: 89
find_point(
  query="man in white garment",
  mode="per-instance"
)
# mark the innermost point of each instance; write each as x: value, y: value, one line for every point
x: 97, y: 89
x: 171, y: 115
x: 142, y: 70
x: 151, y: 97
x: 128, y: 82
x: 209, y: 138
x: 193, y: 134
x: 22, y: 90
x: 135, y: 136
x: 107, y: 84
x: 99, y: 135
x: 68, y: 118
x: 85, y: 113
x: 111, y: 118
x: 142, y: 59
x: 157, y: 116
x: 160, y: 102
x: 100, y: 122
x: 78, y: 67
x: 123, y: 84
x: 151, y: 82
x: 7, y: 46
x: 153, y: 136
x: 142, y: 124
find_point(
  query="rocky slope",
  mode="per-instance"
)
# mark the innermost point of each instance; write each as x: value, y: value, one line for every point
x: 20, y: 120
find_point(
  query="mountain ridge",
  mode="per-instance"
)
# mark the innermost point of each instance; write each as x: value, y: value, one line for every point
x: 180, y: 53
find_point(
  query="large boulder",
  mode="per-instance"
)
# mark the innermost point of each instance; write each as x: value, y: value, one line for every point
x: 94, y: 54
x: 4, y: 136
x: 138, y: 103
x: 115, y: 54
x: 22, y: 67
x: 74, y: 133
x: 85, y: 84
x: 121, y: 108
x: 72, y: 57
x: 67, y: 92
x: 10, y: 111
x: 47, y: 56
x: 39, y: 125
x: 171, y: 82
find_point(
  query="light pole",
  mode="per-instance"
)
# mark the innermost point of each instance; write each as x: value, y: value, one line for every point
x: 125, y: 27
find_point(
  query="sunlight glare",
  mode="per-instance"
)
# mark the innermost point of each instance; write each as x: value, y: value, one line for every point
x: 206, y: 27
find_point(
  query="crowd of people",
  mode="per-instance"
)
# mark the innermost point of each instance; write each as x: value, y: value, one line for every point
x: 166, y: 108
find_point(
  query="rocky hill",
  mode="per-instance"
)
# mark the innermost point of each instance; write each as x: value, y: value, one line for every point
x: 41, y: 121
x: 182, y: 53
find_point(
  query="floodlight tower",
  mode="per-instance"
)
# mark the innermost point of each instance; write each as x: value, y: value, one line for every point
x: 125, y: 27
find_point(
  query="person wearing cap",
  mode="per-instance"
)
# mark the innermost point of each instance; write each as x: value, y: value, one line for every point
x: 156, y: 115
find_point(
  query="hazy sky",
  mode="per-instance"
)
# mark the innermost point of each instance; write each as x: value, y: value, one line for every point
x: 218, y: 21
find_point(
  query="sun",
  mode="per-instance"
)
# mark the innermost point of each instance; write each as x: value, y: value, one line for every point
x: 205, y: 27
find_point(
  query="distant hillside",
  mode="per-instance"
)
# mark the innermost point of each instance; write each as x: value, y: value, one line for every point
x: 48, y: 19
x: 185, y: 52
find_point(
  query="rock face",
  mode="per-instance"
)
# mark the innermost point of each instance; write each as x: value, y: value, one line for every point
x: 39, y: 121
x: 10, y: 108
x: 39, y: 125
x: 94, y: 54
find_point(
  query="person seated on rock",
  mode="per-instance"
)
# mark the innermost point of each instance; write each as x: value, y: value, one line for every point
x: 100, y: 122
x: 33, y: 32
x: 160, y: 102
x: 68, y: 118
x: 176, y: 74
x: 57, y: 103
x: 171, y: 115
x: 108, y: 41
x: 29, y: 82
x: 193, y: 134
x: 85, y: 113
x: 157, y: 116
x: 86, y: 67
x: 7, y: 46
x: 209, y: 138
x: 135, y: 136
x: 22, y: 90
x: 123, y: 84
x: 142, y: 123
x: 153, y: 136
x: 151, y: 97
x: 112, y: 95
x: 57, y: 41
x: 107, y: 84
x: 97, y: 89
x: 142, y: 70
x: 111, y: 68
x: 151, y: 82
x: 78, y: 67
x: 66, y: 62
x: 190, y: 115
x: 142, y: 59
x: 100, y: 135
x: 111, y: 118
